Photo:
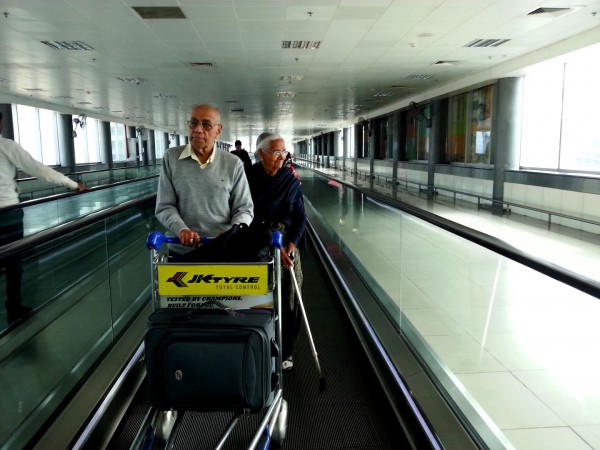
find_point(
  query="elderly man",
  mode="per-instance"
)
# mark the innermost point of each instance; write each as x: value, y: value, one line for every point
x: 202, y: 191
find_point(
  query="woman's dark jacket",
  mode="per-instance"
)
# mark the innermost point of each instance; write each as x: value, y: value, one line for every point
x: 278, y: 200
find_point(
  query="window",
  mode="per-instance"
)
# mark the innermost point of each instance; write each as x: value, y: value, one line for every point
x: 385, y: 143
x: 30, y: 124
x: 423, y: 134
x: 481, y: 126
x: 49, y: 129
x: 560, y: 124
x: 457, y: 129
x: 580, y: 145
x: 351, y: 142
x: 159, y: 144
x: 542, y: 105
x: 87, y: 143
x: 118, y: 141
x: 417, y: 133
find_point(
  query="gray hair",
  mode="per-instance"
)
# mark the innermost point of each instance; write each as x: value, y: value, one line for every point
x: 206, y: 105
x: 263, y: 140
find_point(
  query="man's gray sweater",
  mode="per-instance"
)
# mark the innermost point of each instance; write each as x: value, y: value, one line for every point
x: 208, y: 201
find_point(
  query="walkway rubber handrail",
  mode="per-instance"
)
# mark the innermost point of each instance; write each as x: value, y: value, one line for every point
x: 50, y: 198
x: 60, y: 230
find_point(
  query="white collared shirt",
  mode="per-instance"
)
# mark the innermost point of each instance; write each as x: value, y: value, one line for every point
x: 189, y: 153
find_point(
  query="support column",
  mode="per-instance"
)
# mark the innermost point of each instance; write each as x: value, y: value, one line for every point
x: 330, y: 139
x: 370, y: 148
x: 133, y: 151
x: 66, y: 144
x: 506, y: 133
x: 105, y: 144
x: 151, y: 147
x: 141, y: 132
x: 358, y: 145
x: 345, y: 145
x: 437, y: 139
x: 395, y: 127
x: 7, y: 120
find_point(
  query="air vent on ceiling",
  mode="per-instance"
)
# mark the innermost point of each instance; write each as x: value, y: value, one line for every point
x: 291, y: 77
x: 201, y: 64
x: 66, y: 45
x: 551, y: 11
x: 301, y: 45
x: 486, y: 42
x: 237, y: 110
x: 159, y: 12
x: 419, y: 77
x: 286, y: 94
x: 130, y: 80
x: 446, y: 63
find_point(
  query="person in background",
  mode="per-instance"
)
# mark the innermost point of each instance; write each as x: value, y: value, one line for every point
x: 278, y: 205
x: 12, y: 155
x: 289, y: 164
x: 243, y: 155
x: 202, y: 191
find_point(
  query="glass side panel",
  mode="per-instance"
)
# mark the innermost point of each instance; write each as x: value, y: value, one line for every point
x: 33, y: 188
x: 47, y: 215
x: 83, y: 289
x: 487, y: 328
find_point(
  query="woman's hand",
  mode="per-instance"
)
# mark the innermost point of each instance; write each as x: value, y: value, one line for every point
x: 189, y: 237
x: 287, y: 253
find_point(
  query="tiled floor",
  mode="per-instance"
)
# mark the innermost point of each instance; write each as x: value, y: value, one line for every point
x: 522, y: 345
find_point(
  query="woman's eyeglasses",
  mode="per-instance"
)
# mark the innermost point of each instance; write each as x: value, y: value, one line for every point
x: 278, y: 153
x: 206, y: 125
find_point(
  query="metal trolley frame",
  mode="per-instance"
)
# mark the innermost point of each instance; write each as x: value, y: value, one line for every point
x: 161, y: 427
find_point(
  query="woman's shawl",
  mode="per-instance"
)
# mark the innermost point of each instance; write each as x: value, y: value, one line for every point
x: 278, y: 200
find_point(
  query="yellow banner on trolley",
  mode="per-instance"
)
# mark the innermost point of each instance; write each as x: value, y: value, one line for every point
x: 212, y: 279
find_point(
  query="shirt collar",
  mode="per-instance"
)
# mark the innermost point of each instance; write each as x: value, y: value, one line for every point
x: 189, y: 153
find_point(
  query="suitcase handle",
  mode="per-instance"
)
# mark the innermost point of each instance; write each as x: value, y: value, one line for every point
x: 221, y: 310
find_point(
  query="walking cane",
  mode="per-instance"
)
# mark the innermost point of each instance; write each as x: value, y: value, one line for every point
x: 310, y: 338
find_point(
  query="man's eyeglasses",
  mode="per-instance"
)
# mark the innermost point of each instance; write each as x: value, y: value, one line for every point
x: 206, y: 125
x: 278, y: 153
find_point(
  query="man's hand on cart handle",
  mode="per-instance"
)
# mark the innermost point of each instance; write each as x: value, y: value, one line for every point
x: 189, y: 237
x: 287, y: 255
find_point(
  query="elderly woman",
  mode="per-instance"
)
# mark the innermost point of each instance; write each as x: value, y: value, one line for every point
x: 278, y: 205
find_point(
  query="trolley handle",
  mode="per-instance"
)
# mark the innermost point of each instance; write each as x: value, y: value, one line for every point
x: 156, y: 239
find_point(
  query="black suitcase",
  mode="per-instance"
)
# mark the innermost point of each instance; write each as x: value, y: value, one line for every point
x: 211, y: 359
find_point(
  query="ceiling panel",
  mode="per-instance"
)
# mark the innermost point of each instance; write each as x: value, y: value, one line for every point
x: 366, y: 46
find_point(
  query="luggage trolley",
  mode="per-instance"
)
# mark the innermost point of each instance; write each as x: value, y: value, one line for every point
x: 213, y: 344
